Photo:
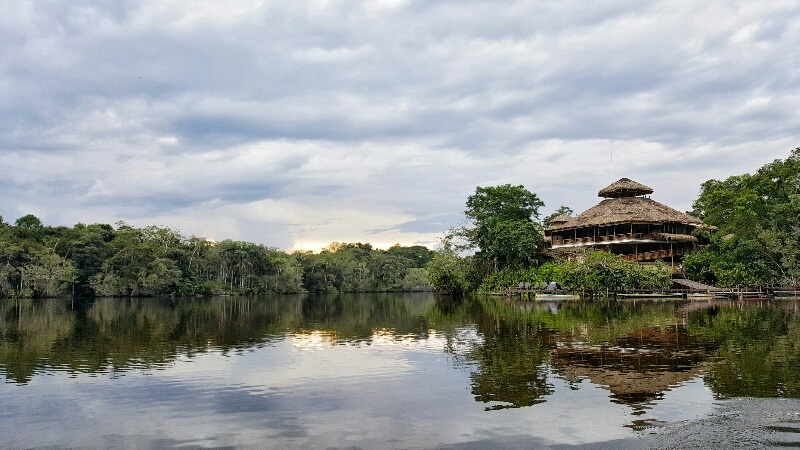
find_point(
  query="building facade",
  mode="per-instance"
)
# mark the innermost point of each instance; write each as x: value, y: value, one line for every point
x: 628, y: 223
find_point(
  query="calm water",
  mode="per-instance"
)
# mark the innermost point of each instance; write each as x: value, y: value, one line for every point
x: 396, y: 371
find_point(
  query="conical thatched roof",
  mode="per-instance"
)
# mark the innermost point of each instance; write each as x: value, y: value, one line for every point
x: 626, y: 210
x: 624, y: 187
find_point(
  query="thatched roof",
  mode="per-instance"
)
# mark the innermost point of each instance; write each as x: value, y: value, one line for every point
x: 561, y: 218
x: 626, y: 210
x: 624, y: 187
x: 677, y: 237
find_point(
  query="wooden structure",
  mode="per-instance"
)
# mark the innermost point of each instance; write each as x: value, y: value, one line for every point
x: 628, y: 223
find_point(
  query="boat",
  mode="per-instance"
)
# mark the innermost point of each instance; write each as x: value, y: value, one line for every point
x: 651, y: 295
x: 555, y: 296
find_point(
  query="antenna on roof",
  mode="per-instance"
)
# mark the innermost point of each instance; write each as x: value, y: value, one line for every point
x: 612, y: 159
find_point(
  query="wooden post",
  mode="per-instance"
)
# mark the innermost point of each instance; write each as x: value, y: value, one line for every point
x: 672, y: 254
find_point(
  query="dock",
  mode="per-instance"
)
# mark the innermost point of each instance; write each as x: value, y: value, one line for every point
x: 681, y: 288
x: 743, y: 293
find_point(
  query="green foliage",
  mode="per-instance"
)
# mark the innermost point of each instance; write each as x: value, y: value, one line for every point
x: 504, y: 202
x: 358, y: 267
x: 758, y: 220
x: 512, y: 243
x: 595, y: 272
x: 451, y: 274
x: 28, y: 222
x: 97, y: 259
x: 503, y: 228
x: 417, y: 279
x: 601, y: 271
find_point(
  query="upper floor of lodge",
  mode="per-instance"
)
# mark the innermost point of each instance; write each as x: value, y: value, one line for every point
x: 626, y: 215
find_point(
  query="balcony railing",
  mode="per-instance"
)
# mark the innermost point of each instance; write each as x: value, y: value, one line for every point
x: 557, y: 241
x: 655, y: 255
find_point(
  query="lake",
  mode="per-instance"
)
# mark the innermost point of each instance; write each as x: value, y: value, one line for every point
x: 398, y: 371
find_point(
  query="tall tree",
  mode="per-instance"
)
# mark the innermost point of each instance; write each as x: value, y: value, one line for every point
x: 504, y: 228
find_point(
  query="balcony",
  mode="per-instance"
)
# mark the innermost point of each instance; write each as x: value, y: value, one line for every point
x: 627, y: 238
x: 559, y: 242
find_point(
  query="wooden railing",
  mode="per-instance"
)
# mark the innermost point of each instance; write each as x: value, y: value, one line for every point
x: 605, y: 239
x: 650, y: 256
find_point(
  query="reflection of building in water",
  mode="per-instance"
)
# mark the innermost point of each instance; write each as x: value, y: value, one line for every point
x: 627, y: 223
x: 637, y: 369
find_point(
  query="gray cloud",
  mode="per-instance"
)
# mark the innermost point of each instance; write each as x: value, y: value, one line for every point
x: 298, y: 122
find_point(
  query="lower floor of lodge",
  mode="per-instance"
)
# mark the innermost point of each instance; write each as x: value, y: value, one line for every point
x: 670, y: 253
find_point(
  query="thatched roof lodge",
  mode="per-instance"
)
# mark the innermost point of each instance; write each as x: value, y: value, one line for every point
x: 629, y: 223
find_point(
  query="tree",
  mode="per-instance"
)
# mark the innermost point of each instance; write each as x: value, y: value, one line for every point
x: 29, y: 227
x: 503, y: 228
x: 418, y: 255
x: 28, y: 221
x: 505, y: 202
x: 417, y: 279
x: 600, y: 271
x: 758, y: 221
x: 451, y: 274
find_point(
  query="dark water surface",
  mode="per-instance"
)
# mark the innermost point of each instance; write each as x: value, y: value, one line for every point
x: 398, y: 371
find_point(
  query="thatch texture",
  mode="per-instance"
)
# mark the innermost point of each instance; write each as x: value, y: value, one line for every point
x: 559, y: 219
x: 624, y: 187
x: 677, y: 237
x: 627, y: 210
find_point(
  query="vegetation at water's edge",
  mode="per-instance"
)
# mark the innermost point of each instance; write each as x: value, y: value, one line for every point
x: 755, y: 240
x: 98, y: 259
x: 754, y: 233
x: 509, y: 247
x: 758, y: 219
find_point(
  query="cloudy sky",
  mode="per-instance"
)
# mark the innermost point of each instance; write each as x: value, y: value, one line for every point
x: 297, y: 123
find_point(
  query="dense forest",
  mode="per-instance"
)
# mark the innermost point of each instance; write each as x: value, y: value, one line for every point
x: 755, y: 240
x: 757, y: 216
x: 101, y: 260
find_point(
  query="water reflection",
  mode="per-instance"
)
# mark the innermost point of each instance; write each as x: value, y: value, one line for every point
x: 516, y: 353
x: 637, y: 351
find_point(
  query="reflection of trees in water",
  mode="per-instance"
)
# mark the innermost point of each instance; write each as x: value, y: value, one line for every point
x: 27, y: 331
x: 117, y: 334
x: 759, y: 350
x: 357, y: 316
x: 510, y: 363
x: 636, y: 351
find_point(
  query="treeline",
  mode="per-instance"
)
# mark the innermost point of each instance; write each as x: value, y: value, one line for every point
x: 101, y: 260
x: 757, y: 241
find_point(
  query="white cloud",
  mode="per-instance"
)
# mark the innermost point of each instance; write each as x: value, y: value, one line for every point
x: 374, y: 121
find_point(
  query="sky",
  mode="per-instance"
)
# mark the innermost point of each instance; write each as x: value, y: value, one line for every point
x: 297, y: 123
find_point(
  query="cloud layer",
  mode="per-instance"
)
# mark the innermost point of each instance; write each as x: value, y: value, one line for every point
x: 298, y: 123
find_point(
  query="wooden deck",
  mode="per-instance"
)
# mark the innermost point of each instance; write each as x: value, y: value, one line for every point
x: 682, y: 288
